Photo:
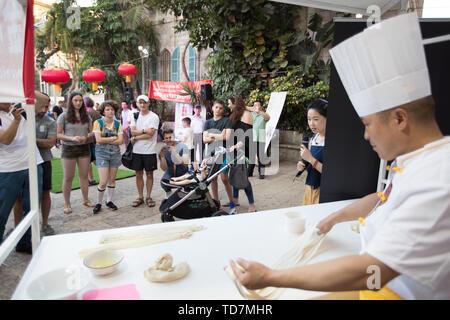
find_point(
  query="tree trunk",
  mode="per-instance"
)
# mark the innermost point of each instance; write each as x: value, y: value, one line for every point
x: 183, y: 62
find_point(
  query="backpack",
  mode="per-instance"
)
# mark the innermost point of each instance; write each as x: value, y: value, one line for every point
x: 116, y: 125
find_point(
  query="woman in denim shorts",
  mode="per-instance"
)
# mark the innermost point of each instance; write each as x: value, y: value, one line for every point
x: 75, y: 132
x: 109, y: 136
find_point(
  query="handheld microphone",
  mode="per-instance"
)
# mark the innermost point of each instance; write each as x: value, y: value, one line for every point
x: 305, y: 142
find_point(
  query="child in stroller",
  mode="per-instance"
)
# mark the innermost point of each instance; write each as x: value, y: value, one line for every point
x: 194, y: 176
x: 192, y: 199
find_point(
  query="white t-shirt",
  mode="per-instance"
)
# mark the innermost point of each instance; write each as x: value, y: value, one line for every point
x: 197, y: 124
x: 410, y: 232
x: 14, y: 157
x: 188, y: 136
x: 131, y: 115
x: 147, y: 146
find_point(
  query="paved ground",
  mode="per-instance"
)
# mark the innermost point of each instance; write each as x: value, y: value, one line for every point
x: 276, y: 191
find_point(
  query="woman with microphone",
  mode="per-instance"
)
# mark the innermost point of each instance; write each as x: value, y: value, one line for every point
x: 313, y: 156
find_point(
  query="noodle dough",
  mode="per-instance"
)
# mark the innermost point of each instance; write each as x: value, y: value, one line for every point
x: 302, y: 251
x: 142, y: 238
x: 163, y: 271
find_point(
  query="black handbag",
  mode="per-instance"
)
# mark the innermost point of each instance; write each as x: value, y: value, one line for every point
x: 239, y: 176
x: 127, y: 157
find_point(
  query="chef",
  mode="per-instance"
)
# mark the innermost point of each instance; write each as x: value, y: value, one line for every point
x: 405, y: 230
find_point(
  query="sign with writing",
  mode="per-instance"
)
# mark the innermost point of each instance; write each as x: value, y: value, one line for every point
x: 171, y: 91
x: 16, y: 41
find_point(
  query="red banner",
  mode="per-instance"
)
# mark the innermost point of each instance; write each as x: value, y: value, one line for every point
x: 171, y: 91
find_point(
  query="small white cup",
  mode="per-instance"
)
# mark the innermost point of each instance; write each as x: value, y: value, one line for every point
x: 295, y: 222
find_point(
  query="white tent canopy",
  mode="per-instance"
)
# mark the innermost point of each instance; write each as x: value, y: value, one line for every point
x: 348, y: 6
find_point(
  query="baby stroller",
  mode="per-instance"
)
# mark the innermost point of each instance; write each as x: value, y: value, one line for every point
x: 193, y: 200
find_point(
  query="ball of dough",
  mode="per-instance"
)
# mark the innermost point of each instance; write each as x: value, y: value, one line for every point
x: 163, y: 271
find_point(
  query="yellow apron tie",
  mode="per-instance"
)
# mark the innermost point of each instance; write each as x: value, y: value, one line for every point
x: 383, y: 294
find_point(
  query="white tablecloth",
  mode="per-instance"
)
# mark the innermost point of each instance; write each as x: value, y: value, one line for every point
x: 260, y: 236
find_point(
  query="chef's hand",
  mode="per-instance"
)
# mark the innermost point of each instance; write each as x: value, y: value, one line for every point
x: 306, y: 154
x: 252, y: 275
x: 326, y: 224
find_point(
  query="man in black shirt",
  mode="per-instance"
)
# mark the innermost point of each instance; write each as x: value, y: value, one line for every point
x: 216, y: 132
x: 58, y: 109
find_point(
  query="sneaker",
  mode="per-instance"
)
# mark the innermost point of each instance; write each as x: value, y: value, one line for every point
x: 47, y: 230
x: 111, y: 205
x: 233, y: 211
x: 261, y: 176
x: 24, y: 248
x: 97, y: 208
x: 92, y: 183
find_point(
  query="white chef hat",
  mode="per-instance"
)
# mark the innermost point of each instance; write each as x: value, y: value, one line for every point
x: 384, y: 66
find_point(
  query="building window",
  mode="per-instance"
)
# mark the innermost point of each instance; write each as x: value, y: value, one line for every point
x: 154, y: 67
x: 192, y: 63
x: 164, y: 66
x: 175, y: 64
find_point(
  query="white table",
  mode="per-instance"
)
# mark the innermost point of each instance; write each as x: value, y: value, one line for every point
x: 260, y: 236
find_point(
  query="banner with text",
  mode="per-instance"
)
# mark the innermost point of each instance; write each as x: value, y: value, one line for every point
x: 171, y: 91
x: 16, y: 41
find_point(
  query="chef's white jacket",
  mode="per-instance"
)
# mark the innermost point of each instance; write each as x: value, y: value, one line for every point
x: 410, y: 232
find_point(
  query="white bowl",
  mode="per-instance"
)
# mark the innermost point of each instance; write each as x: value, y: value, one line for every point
x: 59, y: 284
x: 103, y: 262
x: 295, y: 222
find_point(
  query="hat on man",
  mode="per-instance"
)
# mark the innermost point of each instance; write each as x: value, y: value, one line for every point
x: 143, y: 97
x: 198, y: 106
x: 384, y: 66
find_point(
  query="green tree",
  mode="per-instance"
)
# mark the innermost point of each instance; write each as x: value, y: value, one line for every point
x: 302, y: 88
x: 250, y: 38
x: 108, y: 35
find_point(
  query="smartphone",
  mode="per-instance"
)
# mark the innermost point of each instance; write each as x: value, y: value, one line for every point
x: 19, y: 105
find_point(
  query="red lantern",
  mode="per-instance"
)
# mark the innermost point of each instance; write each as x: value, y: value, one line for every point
x: 127, y: 69
x: 55, y: 76
x: 95, y: 76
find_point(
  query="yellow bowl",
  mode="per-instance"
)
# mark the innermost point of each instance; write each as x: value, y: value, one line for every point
x: 103, y: 262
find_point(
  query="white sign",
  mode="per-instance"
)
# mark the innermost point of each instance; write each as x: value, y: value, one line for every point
x: 182, y: 110
x: 12, y: 42
x: 274, y: 109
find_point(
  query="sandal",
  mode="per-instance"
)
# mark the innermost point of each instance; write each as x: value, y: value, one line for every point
x: 67, y: 209
x: 88, y: 203
x: 149, y: 201
x: 137, y: 202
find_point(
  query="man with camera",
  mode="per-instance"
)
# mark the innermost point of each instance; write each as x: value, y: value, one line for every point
x: 174, y: 159
x: 14, y: 179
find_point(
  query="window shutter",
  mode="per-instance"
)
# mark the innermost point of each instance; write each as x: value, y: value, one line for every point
x: 192, y: 63
x: 175, y: 64
x: 155, y: 69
